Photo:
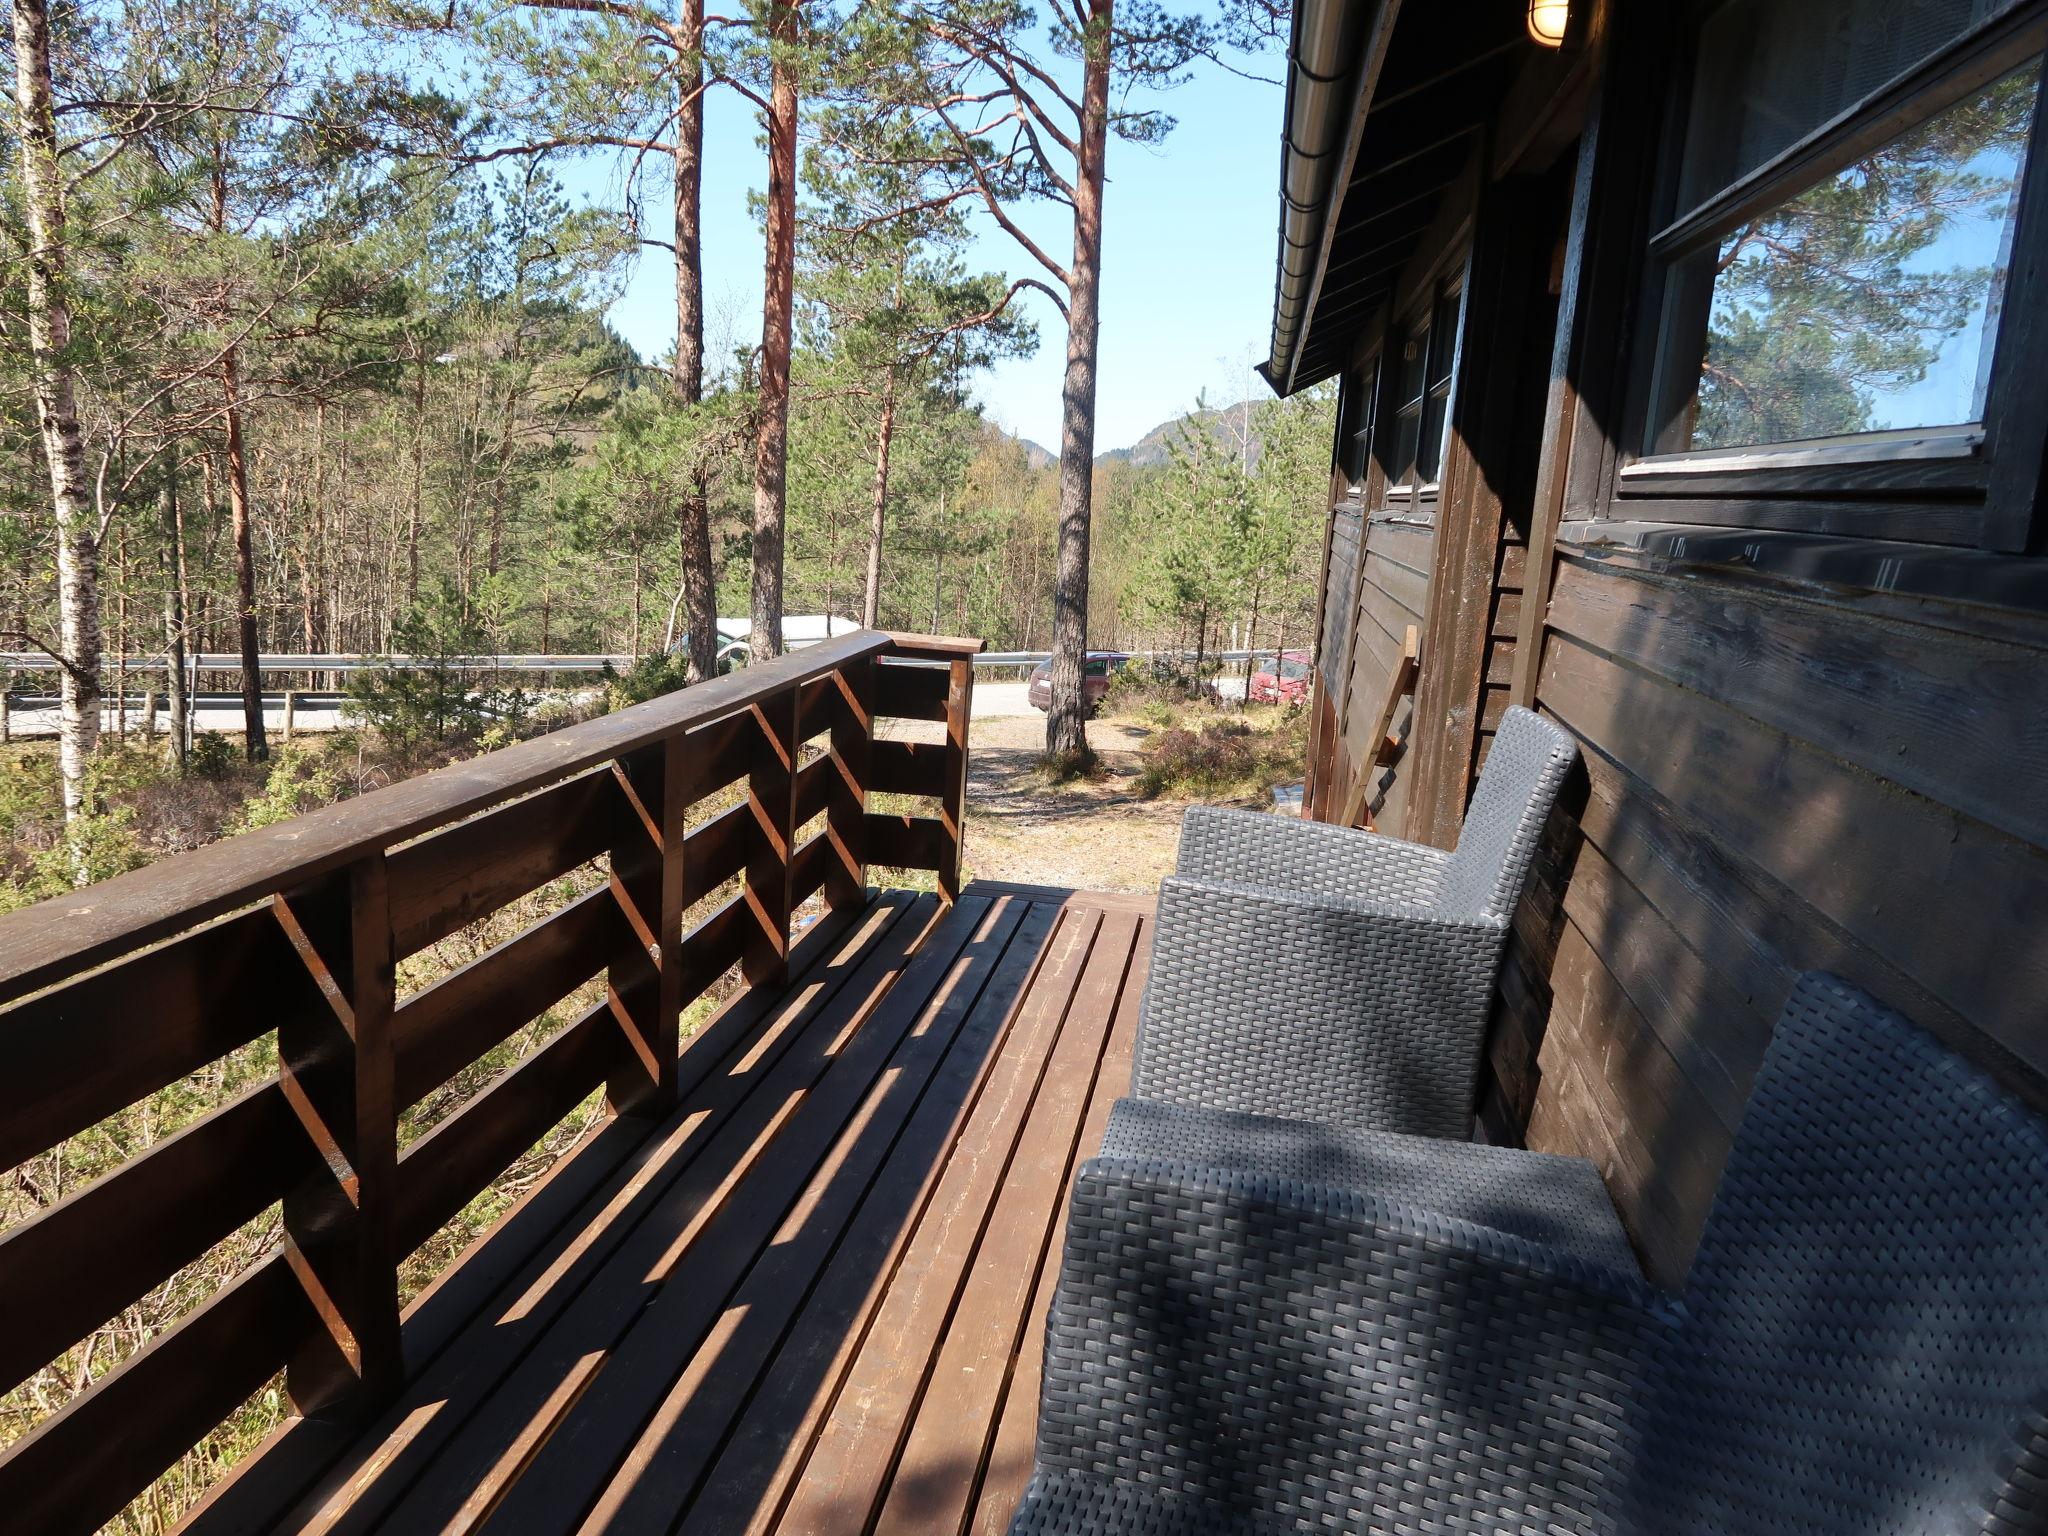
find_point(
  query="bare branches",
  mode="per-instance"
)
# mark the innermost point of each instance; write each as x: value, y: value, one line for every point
x: 994, y: 203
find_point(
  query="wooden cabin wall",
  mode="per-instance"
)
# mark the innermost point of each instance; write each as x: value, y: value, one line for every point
x: 1781, y: 773
x: 1775, y: 781
x: 1393, y: 593
x: 1336, y: 616
x: 1370, y: 597
x: 1802, y: 769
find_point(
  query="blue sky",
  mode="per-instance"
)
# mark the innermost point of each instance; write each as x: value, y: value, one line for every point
x: 1188, y: 249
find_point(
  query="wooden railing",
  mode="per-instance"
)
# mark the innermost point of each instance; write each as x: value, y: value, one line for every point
x: 111, y: 994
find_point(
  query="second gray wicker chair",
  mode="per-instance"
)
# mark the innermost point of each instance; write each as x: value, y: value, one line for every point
x: 1319, y: 973
x: 1270, y: 1328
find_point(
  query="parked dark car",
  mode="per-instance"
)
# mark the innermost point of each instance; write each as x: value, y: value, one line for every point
x: 1284, y: 681
x: 1096, y: 669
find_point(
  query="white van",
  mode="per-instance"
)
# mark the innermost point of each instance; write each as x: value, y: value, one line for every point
x: 798, y: 631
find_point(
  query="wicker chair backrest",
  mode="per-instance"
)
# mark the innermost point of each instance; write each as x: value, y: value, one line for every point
x: 1864, y: 1336
x: 1524, y: 772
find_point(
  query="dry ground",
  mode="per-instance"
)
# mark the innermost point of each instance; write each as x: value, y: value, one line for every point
x: 1091, y: 834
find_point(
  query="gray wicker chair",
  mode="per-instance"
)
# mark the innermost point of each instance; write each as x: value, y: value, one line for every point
x: 1450, y: 1343
x: 1318, y: 973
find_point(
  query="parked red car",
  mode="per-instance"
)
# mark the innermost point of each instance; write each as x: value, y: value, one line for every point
x: 1096, y: 669
x: 1284, y: 681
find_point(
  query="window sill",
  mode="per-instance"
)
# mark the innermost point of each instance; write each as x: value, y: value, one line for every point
x: 1841, y: 565
x: 1940, y: 459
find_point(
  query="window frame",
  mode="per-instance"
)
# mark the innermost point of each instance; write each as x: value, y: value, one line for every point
x: 1419, y: 328
x: 1357, y: 416
x: 1987, y: 473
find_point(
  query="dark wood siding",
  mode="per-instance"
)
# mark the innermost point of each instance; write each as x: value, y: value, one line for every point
x: 1774, y: 782
x: 1393, y: 593
x: 1809, y: 741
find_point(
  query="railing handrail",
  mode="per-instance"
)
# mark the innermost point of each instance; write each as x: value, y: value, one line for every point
x: 68, y: 934
x: 710, y: 818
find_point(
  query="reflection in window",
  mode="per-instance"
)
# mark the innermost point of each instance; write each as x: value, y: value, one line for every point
x: 1869, y: 302
x: 1770, y: 72
x: 1354, y: 437
x: 1443, y: 347
x: 1422, y: 392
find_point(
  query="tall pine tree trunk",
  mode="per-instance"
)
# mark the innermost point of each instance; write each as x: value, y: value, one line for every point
x: 172, y: 527
x: 771, y: 442
x: 254, y: 744
x: 700, y: 590
x: 871, y: 603
x: 1066, y: 722
x: 415, y: 509
x: 56, y: 406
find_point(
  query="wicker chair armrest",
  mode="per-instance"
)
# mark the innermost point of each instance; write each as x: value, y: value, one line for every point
x: 1281, y: 1349
x: 1362, y: 1016
x: 1308, y: 857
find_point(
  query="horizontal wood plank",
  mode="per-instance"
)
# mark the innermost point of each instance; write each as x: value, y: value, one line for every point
x: 910, y: 767
x: 1882, y: 695
x: 905, y: 842
x: 910, y: 693
x: 70, y: 1268
x: 716, y: 852
x: 814, y: 781
x: 440, y: 1030
x: 1794, y: 814
x: 714, y: 756
x: 80, y: 1467
x: 445, y: 1169
x: 88, y: 1050
x: 809, y: 868
x: 443, y: 883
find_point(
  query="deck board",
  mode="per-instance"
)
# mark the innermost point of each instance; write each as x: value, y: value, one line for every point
x: 808, y: 1301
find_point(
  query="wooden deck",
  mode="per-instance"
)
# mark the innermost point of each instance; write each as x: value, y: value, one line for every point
x: 809, y: 1300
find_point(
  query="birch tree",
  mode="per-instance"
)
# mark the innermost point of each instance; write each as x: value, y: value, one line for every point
x: 55, y: 387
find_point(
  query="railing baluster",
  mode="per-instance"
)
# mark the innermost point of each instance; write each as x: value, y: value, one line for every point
x: 642, y: 982
x: 335, y: 1065
x: 953, y: 799
x: 853, y: 732
x: 771, y: 794
x: 196, y: 944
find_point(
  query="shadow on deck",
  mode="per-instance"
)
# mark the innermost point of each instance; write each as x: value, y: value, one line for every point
x: 808, y: 1300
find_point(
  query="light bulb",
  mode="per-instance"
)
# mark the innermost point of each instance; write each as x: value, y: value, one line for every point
x: 1547, y: 21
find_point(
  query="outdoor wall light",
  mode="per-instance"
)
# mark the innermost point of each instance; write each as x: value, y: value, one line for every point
x: 1547, y: 21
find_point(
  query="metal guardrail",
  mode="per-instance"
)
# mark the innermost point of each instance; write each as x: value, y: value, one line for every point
x: 341, y: 661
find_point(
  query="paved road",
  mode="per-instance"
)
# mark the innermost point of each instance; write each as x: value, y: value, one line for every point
x: 992, y: 701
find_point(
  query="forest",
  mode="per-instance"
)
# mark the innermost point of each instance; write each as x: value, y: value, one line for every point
x: 306, y: 343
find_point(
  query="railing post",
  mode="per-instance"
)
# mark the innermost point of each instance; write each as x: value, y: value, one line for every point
x: 853, y: 735
x: 953, y: 798
x: 335, y: 1065
x: 771, y: 795
x: 643, y: 981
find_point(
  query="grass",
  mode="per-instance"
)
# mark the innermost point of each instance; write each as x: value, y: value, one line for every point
x: 1205, y: 754
x: 148, y: 811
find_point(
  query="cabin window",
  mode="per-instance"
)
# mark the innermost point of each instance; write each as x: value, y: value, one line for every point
x: 1845, y: 206
x: 1422, y: 393
x: 1356, y: 412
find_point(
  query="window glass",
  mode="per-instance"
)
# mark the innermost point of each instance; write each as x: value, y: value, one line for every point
x: 1410, y: 385
x: 1870, y: 301
x: 1770, y: 72
x: 1443, y: 348
x: 1355, y: 434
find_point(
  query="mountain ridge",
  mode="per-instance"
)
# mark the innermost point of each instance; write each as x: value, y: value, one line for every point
x: 1155, y: 447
